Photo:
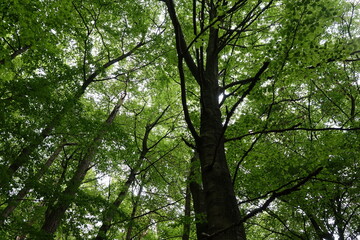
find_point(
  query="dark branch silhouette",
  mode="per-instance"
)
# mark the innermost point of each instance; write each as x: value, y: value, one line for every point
x: 293, y: 128
x: 274, y: 196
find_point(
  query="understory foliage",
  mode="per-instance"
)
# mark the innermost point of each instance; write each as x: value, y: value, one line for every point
x: 166, y: 119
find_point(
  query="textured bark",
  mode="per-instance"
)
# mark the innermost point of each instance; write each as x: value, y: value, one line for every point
x: 56, y: 212
x: 220, y: 202
x: 198, y: 197
x: 221, y: 206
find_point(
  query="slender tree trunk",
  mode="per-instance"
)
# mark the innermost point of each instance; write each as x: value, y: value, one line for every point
x: 133, y: 214
x: 320, y: 229
x: 56, y: 212
x: 187, y: 211
x: 111, y: 211
x: 24, y: 155
x: 15, y: 201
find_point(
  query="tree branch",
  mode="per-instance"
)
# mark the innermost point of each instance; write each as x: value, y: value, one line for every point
x: 184, y: 102
x: 150, y: 212
x: 181, y: 45
x: 293, y: 128
x: 270, y: 200
x: 16, y: 53
x: 240, y: 82
x: 251, y: 86
x: 92, y: 77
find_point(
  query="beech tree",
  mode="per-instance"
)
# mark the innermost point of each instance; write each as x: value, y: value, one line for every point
x: 215, y: 119
x: 241, y: 51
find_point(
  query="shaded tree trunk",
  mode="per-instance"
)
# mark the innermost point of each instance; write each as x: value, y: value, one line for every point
x: 25, y: 153
x: 133, y: 214
x: 221, y: 206
x: 109, y: 213
x: 187, y: 212
x: 198, y: 198
x: 15, y: 201
x: 320, y: 230
x: 56, y: 212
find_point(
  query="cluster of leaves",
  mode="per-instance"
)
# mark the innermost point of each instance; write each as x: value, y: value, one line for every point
x: 65, y: 65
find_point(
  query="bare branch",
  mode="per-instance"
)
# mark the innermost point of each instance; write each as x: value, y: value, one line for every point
x: 243, y: 157
x: 150, y: 212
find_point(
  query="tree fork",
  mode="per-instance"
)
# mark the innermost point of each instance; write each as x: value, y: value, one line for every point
x: 221, y: 207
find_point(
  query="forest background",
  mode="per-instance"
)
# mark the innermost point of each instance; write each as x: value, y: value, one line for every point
x: 203, y: 119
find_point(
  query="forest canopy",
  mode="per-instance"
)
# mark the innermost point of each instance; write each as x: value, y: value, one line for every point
x: 174, y: 119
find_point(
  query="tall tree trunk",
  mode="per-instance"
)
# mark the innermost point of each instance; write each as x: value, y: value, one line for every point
x: 221, y: 207
x: 187, y: 212
x: 25, y: 153
x: 222, y: 212
x: 110, y: 213
x: 55, y: 212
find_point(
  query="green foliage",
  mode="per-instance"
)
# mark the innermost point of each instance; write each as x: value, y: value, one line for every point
x: 302, y: 113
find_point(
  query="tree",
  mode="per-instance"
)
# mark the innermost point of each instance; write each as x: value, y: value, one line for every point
x: 240, y: 121
x: 26, y: 151
x: 276, y: 38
